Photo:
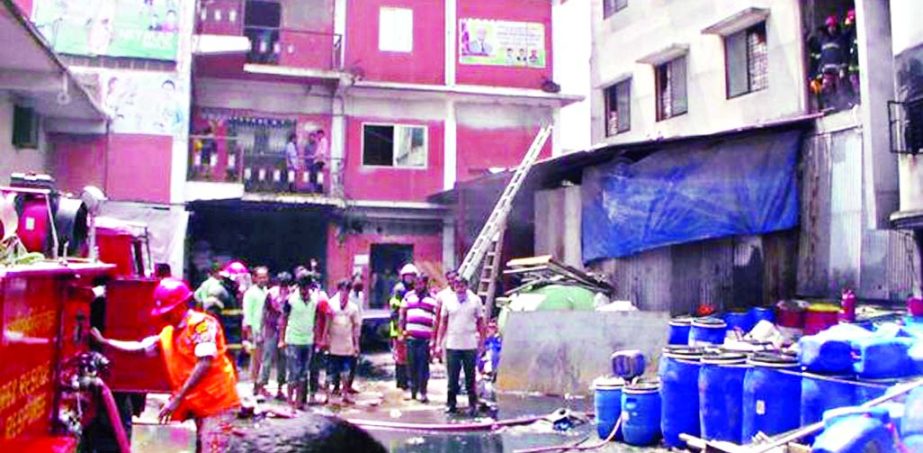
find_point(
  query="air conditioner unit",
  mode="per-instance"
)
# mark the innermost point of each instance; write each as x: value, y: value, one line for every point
x: 25, y: 127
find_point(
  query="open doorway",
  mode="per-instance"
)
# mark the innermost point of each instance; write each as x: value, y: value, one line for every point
x: 385, y: 262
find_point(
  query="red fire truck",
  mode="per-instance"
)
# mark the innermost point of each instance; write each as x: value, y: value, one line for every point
x: 56, y: 391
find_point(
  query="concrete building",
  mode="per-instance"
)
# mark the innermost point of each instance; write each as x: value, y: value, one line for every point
x: 412, y: 96
x: 699, y: 78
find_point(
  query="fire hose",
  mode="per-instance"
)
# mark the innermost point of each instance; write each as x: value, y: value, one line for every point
x: 121, y: 437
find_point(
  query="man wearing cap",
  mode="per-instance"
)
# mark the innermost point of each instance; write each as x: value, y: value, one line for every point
x: 200, y: 374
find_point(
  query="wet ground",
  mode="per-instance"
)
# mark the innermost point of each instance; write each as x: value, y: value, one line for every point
x: 380, y: 401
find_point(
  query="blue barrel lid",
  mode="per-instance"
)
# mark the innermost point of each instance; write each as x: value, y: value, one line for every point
x: 607, y: 383
x: 681, y: 321
x: 709, y: 322
x: 773, y: 360
x: 641, y: 388
x: 724, y: 358
x: 683, y: 352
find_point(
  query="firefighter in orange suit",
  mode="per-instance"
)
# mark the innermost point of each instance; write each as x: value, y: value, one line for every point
x: 201, y: 376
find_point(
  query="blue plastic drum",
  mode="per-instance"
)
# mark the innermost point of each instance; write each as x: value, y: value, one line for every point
x: 772, y: 394
x: 679, y: 393
x: 822, y: 393
x: 679, y: 331
x: 641, y: 414
x: 707, y: 332
x: 762, y: 314
x: 739, y: 320
x: 721, y: 385
x: 607, y: 400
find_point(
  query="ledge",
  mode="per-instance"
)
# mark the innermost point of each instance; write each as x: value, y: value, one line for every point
x: 669, y: 53
x: 737, y: 22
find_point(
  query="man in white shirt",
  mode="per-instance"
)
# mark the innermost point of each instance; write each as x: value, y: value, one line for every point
x: 461, y: 335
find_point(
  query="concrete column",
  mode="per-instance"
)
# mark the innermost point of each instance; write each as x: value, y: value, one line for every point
x: 179, y: 160
x: 451, y: 20
x: 339, y: 26
x: 450, y: 146
x: 448, y: 244
x: 337, y: 144
x: 876, y: 80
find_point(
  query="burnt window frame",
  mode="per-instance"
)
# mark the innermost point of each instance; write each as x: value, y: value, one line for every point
x: 608, y: 93
x: 659, y: 71
x: 746, y: 32
x: 394, y: 128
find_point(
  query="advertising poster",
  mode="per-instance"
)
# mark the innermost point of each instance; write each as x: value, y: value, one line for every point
x: 501, y: 43
x: 117, y: 28
x: 144, y: 102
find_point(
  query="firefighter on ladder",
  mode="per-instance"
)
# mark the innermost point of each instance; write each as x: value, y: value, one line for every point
x: 201, y: 376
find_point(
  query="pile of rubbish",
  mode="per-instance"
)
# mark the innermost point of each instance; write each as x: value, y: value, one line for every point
x: 752, y: 381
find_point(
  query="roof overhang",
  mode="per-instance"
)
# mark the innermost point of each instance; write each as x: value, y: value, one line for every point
x: 464, y: 93
x: 738, y: 21
x: 34, y: 76
x: 907, y: 220
x: 665, y: 54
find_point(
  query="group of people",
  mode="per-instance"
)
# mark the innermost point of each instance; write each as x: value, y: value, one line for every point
x: 311, y: 160
x: 294, y: 327
x: 449, y: 325
x: 834, y: 57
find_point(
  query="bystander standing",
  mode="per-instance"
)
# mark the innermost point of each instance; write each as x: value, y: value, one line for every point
x: 342, y: 340
x: 462, y: 338
x: 418, y: 316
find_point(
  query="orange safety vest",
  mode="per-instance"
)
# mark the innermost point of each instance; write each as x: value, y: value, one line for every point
x: 217, y: 391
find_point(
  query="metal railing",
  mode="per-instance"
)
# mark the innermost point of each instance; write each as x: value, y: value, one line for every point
x: 294, y: 48
x: 221, y: 159
x: 282, y: 46
x: 905, y: 121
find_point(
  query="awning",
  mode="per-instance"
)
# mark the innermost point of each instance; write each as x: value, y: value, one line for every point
x: 35, y: 77
x: 706, y: 189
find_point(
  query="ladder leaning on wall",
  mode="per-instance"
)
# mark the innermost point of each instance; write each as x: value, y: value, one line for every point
x: 488, y: 245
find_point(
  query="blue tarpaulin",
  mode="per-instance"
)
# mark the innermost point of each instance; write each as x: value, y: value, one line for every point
x: 689, y: 192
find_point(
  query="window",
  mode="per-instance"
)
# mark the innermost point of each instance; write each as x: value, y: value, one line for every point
x: 746, y: 61
x: 394, y: 146
x: 262, y: 21
x: 618, y: 108
x: 25, y: 127
x: 395, y: 30
x: 671, y: 88
x: 611, y: 7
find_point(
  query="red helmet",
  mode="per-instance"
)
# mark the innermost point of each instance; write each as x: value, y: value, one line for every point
x: 170, y: 293
x: 235, y: 268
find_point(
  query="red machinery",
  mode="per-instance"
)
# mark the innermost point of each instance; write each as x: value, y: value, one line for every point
x: 53, y: 385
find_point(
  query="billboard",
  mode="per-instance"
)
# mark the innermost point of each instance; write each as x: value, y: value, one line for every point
x: 117, y: 28
x: 145, y: 102
x: 501, y: 43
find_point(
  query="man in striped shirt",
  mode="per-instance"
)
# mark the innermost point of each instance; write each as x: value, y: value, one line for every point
x: 418, y: 317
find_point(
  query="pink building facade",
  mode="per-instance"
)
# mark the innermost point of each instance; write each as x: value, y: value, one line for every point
x: 412, y: 96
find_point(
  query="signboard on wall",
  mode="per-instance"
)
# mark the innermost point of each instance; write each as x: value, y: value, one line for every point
x: 144, y: 102
x: 118, y: 28
x: 501, y: 43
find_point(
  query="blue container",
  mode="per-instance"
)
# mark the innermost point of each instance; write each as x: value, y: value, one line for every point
x: 679, y: 393
x: 869, y: 389
x: 707, y: 331
x: 607, y: 400
x: 822, y: 393
x: 721, y: 385
x: 739, y: 320
x: 772, y: 393
x: 627, y: 364
x: 762, y: 314
x: 913, y: 414
x: 824, y: 354
x: 883, y: 358
x: 641, y: 414
x: 855, y: 434
x: 679, y: 331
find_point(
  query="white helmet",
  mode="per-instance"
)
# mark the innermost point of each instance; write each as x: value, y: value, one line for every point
x: 409, y: 269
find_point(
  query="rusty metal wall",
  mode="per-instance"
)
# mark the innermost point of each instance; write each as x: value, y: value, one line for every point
x: 836, y: 249
x: 728, y: 273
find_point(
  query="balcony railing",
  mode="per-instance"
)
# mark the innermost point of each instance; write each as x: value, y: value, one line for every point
x: 294, y: 48
x: 220, y: 159
x: 282, y: 46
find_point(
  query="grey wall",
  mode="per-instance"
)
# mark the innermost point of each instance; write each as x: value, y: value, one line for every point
x: 557, y: 353
x: 557, y: 224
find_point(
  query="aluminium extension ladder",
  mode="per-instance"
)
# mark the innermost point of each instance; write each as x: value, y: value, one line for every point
x: 489, y: 242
